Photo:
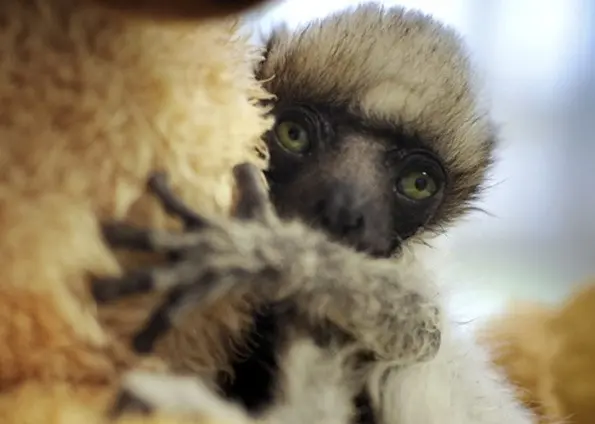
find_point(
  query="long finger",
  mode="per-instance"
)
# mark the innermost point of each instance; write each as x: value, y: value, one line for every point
x: 144, y: 280
x: 121, y: 235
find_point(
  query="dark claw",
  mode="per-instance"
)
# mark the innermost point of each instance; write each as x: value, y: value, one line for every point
x: 173, y: 205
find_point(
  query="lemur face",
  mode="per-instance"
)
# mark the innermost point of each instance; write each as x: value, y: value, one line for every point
x: 379, y: 139
x: 364, y: 184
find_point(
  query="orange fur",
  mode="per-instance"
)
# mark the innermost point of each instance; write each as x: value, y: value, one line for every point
x: 92, y: 101
x: 549, y: 354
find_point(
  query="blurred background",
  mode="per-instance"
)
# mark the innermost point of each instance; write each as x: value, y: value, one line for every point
x: 537, y: 61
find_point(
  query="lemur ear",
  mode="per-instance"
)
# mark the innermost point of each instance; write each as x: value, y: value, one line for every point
x: 181, y: 9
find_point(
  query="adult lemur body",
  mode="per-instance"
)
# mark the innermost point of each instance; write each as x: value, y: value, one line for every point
x: 379, y: 142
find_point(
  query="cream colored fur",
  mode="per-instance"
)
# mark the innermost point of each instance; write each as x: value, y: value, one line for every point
x: 92, y: 101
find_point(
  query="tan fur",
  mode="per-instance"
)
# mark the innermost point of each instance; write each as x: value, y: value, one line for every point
x: 92, y: 101
x: 67, y: 403
x: 549, y: 354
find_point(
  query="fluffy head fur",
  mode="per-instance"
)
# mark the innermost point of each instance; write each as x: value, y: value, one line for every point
x: 92, y: 101
x: 388, y: 82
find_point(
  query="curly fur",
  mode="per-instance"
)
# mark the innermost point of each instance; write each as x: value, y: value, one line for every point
x: 92, y: 101
x: 548, y: 352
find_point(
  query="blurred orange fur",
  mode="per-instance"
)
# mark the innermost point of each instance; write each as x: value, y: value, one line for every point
x: 548, y: 352
x: 93, y: 101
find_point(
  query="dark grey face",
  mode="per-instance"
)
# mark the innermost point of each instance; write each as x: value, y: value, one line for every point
x: 367, y: 186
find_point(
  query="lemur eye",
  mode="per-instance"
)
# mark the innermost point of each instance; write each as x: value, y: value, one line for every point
x: 420, y: 178
x: 292, y: 136
x: 417, y: 185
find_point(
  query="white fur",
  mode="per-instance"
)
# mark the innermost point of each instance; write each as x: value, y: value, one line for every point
x: 459, y: 386
x: 313, y: 386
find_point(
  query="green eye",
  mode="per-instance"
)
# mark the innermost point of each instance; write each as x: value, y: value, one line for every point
x: 292, y: 137
x: 417, y: 185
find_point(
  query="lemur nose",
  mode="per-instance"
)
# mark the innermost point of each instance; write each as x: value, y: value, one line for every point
x: 340, y: 212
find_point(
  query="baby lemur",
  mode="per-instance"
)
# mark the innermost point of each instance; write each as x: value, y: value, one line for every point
x: 379, y: 142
